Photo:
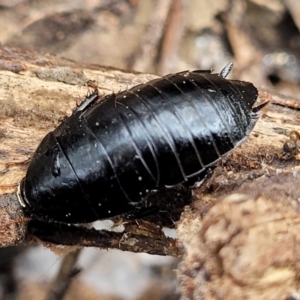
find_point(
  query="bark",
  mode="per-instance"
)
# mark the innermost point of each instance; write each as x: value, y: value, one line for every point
x: 241, y: 236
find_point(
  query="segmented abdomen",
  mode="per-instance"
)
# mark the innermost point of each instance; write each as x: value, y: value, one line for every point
x: 112, y: 154
x: 160, y: 133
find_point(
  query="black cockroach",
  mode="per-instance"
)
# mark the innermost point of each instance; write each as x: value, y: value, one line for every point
x: 108, y: 156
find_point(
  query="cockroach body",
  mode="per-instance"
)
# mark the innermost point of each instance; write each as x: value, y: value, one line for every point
x: 109, y: 155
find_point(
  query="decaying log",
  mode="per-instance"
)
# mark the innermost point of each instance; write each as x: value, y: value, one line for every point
x: 247, y: 248
x: 240, y: 235
x: 241, y: 238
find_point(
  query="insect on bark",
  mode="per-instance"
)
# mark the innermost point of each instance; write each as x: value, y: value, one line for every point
x: 109, y: 155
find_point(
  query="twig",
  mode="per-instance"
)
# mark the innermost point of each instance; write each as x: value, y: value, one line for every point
x: 172, y: 37
x: 294, y: 10
x: 278, y: 99
x: 64, y: 277
x: 152, y: 36
x: 62, y: 234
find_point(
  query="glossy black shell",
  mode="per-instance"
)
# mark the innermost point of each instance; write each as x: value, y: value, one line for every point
x: 104, y: 159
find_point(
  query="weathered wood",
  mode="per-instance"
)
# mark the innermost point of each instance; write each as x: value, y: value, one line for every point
x: 241, y: 237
